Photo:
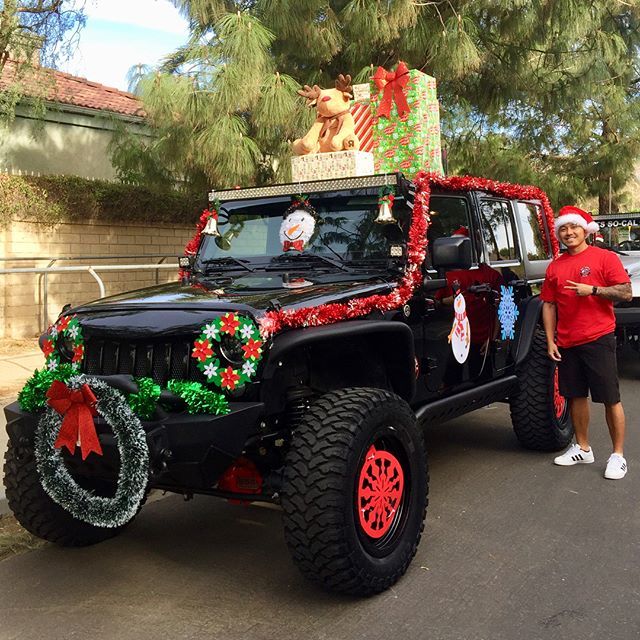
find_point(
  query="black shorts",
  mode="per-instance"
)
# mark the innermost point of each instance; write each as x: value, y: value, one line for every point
x: 590, y: 367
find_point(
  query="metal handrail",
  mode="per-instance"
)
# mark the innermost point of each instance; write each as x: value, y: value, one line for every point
x: 90, y: 269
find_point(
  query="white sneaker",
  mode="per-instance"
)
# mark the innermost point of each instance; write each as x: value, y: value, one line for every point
x: 575, y: 455
x: 616, y: 467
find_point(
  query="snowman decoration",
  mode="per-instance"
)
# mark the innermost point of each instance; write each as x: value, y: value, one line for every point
x: 460, y: 336
x: 297, y: 227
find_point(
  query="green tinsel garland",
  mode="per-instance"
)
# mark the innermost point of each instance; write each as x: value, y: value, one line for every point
x: 198, y: 398
x: 134, y: 461
x: 34, y: 393
x: 144, y: 402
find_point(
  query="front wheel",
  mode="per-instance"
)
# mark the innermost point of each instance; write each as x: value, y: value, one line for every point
x: 355, y: 491
x: 539, y: 414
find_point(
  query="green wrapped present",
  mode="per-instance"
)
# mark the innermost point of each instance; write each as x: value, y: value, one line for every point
x: 406, y: 122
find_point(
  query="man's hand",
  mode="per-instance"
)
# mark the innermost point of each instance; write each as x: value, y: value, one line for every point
x: 553, y: 351
x: 580, y: 288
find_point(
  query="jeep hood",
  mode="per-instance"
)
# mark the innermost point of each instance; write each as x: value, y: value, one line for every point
x: 182, y: 305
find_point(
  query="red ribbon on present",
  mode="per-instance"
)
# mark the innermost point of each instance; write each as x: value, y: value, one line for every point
x: 77, y: 407
x: 392, y: 83
x: 298, y: 245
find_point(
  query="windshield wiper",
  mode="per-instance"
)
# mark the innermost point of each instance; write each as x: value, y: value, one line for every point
x: 301, y: 257
x: 227, y: 260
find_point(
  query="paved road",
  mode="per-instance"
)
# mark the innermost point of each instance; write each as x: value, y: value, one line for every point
x: 514, y: 547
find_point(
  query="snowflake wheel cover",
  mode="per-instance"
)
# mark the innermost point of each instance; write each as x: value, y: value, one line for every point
x: 67, y: 327
x: 134, y: 461
x: 234, y: 326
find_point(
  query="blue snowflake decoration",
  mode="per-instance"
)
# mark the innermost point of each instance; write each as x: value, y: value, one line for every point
x: 508, y: 313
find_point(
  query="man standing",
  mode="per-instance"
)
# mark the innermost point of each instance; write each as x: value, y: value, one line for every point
x: 578, y: 294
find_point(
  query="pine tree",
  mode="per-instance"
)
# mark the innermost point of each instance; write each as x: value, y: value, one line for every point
x: 542, y: 91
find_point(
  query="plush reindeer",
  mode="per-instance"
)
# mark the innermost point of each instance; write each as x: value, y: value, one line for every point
x: 333, y: 129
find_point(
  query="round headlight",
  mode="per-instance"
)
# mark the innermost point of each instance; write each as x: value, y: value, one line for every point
x: 65, y: 347
x: 231, y: 349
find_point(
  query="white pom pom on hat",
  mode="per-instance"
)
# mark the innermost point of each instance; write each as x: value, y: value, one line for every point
x: 574, y: 215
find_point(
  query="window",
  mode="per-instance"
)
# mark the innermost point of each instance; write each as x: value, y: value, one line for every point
x: 499, y: 230
x: 533, y: 236
x: 448, y: 215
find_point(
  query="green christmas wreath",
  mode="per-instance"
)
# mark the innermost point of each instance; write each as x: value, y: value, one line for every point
x: 237, y: 327
x: 67, y: 327
x: 134, y: 460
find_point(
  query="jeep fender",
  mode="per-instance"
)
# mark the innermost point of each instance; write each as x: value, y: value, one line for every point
x: 530, y: 312
x: 394, y: 345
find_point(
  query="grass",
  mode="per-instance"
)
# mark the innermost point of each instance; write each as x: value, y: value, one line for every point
x: 14, y: 539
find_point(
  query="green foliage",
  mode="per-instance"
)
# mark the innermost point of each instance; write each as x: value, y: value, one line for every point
x: 549, y: 89
x: 53, y: 199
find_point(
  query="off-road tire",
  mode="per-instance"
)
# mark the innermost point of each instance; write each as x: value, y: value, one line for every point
x: 535, y: 420
x: 37, y: 512
x: 323, y: 466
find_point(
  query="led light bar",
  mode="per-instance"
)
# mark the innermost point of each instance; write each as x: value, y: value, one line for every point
x: 299, y: 188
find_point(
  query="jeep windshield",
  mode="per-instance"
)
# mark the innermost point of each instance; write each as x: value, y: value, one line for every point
x: 342, y: 234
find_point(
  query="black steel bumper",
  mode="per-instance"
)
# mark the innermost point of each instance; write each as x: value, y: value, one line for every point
x: 186, y: 451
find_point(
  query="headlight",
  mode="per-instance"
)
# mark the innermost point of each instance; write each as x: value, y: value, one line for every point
x: 231, y: 349
x: 65, y: 347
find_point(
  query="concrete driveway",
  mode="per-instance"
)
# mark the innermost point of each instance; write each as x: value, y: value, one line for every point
x: 514, y: 548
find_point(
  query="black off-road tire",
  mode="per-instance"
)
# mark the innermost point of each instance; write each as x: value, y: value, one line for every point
x: 321, y: 487
x: 37, y: 512
x: 537, y: 422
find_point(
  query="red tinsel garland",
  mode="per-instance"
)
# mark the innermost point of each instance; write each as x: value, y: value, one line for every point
x: 275, y: 321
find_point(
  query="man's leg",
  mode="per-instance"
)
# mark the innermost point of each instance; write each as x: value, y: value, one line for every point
x: 616, y: 423
x: 579, y: 409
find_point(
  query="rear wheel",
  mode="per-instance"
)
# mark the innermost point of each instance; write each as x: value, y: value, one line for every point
x: 539, y: 413
x: 355, y: 491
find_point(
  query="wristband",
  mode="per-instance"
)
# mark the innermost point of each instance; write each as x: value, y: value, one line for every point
x: 594, y: 291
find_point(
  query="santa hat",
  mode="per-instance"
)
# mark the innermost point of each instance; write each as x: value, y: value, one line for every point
x: 573, y: 215
x: 599, y: 237
x: 460, y: 232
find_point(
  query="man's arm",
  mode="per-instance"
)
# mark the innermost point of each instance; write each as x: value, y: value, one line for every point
x: 549, y: 320
x: 616, y: 293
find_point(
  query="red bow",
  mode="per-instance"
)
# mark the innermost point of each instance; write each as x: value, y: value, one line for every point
x: 77, y: 408
x: 298, y: 245
x: 393, y: 84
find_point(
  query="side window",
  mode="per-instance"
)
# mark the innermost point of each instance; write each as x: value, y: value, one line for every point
x: 534, y: 235
x: 449, y: 215
x: 498, y: 229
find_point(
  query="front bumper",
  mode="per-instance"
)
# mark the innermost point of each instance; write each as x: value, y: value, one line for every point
x: 187, y: 452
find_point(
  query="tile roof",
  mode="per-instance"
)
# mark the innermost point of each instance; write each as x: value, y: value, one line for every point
x: 63, y: 88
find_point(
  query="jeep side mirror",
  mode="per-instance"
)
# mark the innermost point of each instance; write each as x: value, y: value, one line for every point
x: 451, y: 253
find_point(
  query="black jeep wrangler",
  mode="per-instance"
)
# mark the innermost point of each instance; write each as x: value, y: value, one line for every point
x: 336, y: 337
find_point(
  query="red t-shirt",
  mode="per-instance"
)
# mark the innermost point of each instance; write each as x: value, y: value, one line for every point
x: 582, y: 319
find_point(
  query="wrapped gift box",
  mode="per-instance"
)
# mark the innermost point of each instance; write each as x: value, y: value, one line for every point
x: 409, y: 142
x: 324, y: 166
x: 361, y: 93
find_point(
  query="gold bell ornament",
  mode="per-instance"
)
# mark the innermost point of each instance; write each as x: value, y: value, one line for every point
x: 385, y: 205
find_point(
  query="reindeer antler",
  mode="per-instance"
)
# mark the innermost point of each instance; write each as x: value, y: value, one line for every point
x: 343, y: 83
x: 310, y: 93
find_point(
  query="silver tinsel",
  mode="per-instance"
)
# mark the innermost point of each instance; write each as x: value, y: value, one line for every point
x: 134, y: 461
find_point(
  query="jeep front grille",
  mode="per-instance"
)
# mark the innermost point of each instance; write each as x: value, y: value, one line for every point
x: 161, y: 361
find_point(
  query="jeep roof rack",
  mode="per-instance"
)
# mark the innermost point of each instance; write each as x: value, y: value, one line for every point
x: 316, y: 186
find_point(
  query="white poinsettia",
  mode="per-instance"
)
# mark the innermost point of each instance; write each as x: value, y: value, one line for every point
x: 73, y: 331
x: 246, y: 331
x: 210, y: 370
x: 52, y: 365
x: 211, y: 331
x: 248, y: 368
x: 53, y: 332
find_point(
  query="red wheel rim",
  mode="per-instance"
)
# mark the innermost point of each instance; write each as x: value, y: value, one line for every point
x: 559, y: 401
x: 380, y: 489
